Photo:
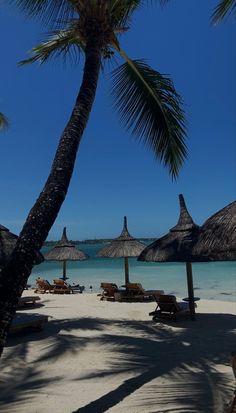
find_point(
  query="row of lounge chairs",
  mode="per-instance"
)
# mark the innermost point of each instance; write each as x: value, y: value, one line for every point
x: 59, y: 286
x: 167, y: 305
x: 129, y: 292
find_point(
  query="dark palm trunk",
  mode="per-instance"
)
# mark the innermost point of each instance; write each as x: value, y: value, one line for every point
x: 14, y: 275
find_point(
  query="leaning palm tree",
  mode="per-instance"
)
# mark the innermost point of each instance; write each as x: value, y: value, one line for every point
x: 147, y: 101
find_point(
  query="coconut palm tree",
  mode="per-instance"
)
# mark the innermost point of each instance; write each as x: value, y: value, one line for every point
x: 147, y: 101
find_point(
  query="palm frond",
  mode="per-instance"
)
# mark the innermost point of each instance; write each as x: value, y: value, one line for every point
x: 48, y: 11
x: 55, y: 12
x: 224, y: 8
x: 121, y: 11
x: 3, y: 121
x: 60, y: 43
x: 150, y: 107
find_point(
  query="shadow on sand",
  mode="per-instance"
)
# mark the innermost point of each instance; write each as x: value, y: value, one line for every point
x: 191, y: 352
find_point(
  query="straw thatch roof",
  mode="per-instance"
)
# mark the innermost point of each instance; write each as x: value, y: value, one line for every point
x: 217, y: 237
x: 65, y: 251
x: 123, y: 246
x: 176, y: 245
x: 7, y: 244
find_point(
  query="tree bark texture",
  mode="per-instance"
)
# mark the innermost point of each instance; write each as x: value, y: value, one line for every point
x: 14, y: 275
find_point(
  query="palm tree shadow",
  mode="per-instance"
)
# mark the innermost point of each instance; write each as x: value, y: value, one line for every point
x: 187, y: 349
x: 25, y: 379
x: 196, y: 384
x: 22, y: 379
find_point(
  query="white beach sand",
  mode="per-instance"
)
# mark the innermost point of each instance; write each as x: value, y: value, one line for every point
x: 98, y: 356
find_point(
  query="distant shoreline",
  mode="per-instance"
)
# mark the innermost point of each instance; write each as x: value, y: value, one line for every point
x: 94, y: 241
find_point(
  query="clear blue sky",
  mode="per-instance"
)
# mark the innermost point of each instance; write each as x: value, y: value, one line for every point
x: 114, y: 175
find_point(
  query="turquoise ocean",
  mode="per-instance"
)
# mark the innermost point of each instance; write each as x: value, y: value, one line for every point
x: 213, y: 280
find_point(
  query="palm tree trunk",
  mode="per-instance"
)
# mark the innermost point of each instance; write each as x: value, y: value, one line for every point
x: 14, y: 275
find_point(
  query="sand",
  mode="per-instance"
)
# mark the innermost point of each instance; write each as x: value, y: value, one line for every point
x: 100, y: 356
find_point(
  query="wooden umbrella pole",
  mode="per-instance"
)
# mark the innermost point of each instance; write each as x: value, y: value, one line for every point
x: 64, y: 270
x: 190, y: 290
x: 126, y: 270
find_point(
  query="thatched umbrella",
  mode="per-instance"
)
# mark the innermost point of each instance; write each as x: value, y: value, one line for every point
x: 217, y: 237
x: 65, y: 251
x: 176, y: 247
x: 123, y: 246
x: 7, y: 244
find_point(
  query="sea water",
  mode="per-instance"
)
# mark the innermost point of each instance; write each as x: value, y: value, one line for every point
x: 212, y: 280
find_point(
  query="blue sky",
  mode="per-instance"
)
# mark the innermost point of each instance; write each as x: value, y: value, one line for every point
x: 114, y: 174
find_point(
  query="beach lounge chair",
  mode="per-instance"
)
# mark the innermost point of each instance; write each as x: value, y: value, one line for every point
x: 43, y: 286
x: 22, y: 322
x: 168, y: 307
x: 77, y: 288
x: 61, y: 287
x: 28, y: 301
x: 109, y: 290
x: 136, y: 292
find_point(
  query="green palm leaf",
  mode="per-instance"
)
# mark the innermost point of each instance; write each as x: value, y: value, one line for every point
x: 224, y: 8
x: 3, y: 121
x: 150, y: 107
x: 62, y: 42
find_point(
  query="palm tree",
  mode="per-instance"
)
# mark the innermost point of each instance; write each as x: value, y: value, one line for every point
x: 147, y: 101
x: 3, y: 121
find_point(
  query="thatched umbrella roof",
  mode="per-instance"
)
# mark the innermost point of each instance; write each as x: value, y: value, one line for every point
x: 123, y: 246
x: 217, y: 237
x: 65, y: 250
x: 7, y: 244
x: 176, y: 247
